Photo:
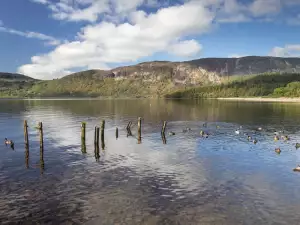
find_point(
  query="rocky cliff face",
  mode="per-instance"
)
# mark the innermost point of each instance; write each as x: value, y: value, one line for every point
x: 204, y: 71
x: 178, y: 73
x: 248, y: 65
x: 189, y: 73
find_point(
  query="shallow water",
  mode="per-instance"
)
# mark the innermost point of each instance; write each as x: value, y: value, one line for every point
x: 223, y: 179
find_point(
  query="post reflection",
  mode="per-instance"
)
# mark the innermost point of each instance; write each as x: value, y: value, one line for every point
x: 163, y: 137
x: 42, y: 163
x: 26, y: 156
x: 83, y: 148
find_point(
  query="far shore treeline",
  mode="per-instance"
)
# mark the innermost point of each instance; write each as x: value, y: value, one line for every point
x: 262, y: 85
x: 269, y: 85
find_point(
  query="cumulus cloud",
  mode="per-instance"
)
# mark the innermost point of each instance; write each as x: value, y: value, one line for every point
x: 121, y: 31
x: 185, y: 48
x: 90, y: 10
x: 105, y: 42
x: 286, y: 51
x: 40, y: 1
x: 265, y: 7
x: 230, y: 11
x: 291, y: 2
x: 234, y: 11
x: 30, y: 34
x: 234, y: 19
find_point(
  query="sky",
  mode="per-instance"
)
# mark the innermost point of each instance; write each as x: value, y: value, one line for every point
x: 47, y: 39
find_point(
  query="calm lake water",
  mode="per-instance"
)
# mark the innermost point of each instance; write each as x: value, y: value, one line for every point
x: 223, y: 179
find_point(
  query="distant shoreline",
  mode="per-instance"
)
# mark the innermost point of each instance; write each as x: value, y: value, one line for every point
x: 245, y: 99
x: 262, y: 99
x: 73, y: 98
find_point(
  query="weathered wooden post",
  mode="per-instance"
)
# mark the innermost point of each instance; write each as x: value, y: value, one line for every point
x: 42, y: 164
x: 139, y: 130
x: 128, y: 125
x: 163, y: 129
x: 26, y: 133
x: 102, y: 134
x: 117, y: 133
x: 83, y: 132
x: 95, y: 137
x: 97, y: 155
x: 98, y: 133
x: 40, y: 127
x: 83, y: 142
x: 95, y: 142
x: 129, y: 129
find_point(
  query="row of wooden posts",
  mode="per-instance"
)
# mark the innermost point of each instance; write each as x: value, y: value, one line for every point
x: 128, y: 129
x: 97, y: 134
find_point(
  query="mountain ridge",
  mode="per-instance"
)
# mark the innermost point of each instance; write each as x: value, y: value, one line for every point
x: 154, y: 78
x: 16, y: 76
x: 217, y: 66
x: 235, y: 66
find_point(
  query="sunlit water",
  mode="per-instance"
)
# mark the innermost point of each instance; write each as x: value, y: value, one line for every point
x: 222, y: 179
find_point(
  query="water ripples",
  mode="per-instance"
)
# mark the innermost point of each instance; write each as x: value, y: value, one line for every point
x: 222, y: 179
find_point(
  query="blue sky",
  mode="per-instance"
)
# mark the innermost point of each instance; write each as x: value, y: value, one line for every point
x: 47, y: 39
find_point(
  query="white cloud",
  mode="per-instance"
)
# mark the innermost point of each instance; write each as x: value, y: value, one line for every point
x: 30, y: 34
x: 118, y: 31
x: 40, y: 1
x: 234, y: 19
x: 286, y: 51
x: 185, y: 48
x: 106, y: 42
x: 236, y: 11
x: 76, y: 10
x: 265, y: 7
x: 90, y: 10
x: 227, y: 10
x: 233, y: 6
x: 291, y: 2
x: 236, y: 56
x: 63, y: 11
x: 278, y: 52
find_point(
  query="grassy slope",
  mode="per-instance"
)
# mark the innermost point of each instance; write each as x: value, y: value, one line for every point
x: 276, y: 85
x: 89, y: 86
x: 12, y: 84
x: 273, y: 85
x: 13, y: 88
x: 94, y: 88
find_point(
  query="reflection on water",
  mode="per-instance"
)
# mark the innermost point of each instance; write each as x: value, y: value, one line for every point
x: 178, y: 179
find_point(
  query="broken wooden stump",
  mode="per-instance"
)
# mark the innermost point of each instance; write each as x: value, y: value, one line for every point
x: 40, y: 128
x: 139, y: 130
x: 117, y: 133
x: 163, y: 129
x: 102, y: 134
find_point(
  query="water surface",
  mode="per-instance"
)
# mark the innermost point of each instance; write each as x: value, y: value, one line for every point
x: 223, y: 179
